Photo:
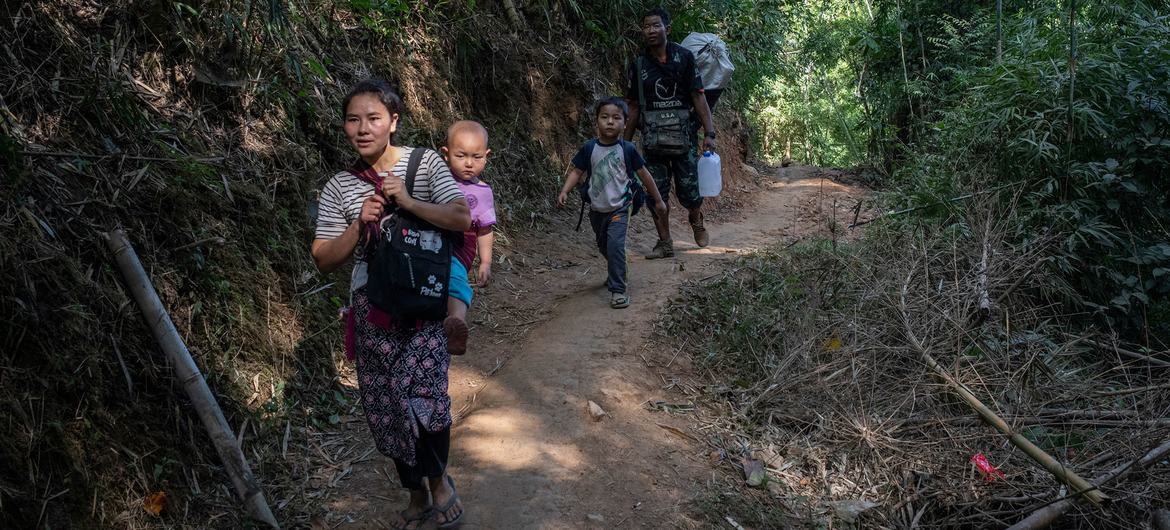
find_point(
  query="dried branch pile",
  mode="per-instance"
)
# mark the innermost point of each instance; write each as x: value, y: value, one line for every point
x: 869, y: 377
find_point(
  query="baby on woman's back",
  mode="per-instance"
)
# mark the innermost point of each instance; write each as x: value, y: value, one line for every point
x: 466, y: 154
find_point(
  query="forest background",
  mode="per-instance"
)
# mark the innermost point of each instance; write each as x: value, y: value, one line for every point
x: 206, y: 128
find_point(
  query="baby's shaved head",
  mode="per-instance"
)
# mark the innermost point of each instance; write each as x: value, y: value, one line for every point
x: 463, y: 127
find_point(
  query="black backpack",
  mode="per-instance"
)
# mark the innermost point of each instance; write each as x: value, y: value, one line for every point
x: 637, y: 194
x: 410, y: 262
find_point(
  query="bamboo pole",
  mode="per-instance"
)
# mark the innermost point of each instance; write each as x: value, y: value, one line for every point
x: 905, y: 71
x: 1049, y: 514
x: 138, y: 283
x: 1072, y: 85
x: 998, y: 31
x: 1053, y: 466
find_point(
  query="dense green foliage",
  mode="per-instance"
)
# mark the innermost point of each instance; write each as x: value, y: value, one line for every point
x: 205, y: 129
x: 1063, y: 108
x: 196, y: 122
x: 1073, y: 117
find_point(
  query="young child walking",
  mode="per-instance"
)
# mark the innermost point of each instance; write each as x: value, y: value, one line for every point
x: 466, y: 154
x: 609, y: 165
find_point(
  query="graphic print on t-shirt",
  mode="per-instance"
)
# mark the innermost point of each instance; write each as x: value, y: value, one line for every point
x: 667, y: 92
x: 666, y: 85
x: 483, y: 215
x: 609, y: 173
x: 610, y: 170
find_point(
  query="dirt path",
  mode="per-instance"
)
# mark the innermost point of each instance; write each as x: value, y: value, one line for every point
x: 525, y: 453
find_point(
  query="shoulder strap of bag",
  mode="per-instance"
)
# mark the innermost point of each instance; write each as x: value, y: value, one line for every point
x: 589, y: 170
x: 641, y: 89
x: 412, y: 164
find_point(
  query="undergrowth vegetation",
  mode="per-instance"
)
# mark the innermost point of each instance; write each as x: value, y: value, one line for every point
x: 1023, y: 159
x: 1082, y: 142
x: 1061, y: 106
x: 817, y: 357
x: 206, y: 129
x: 1026, y: 150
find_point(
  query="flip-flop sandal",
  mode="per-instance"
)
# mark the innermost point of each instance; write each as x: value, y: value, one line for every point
x: 442, y: 510
x: 619, y: 300
x: 420, y: 517
x: 456, y: 330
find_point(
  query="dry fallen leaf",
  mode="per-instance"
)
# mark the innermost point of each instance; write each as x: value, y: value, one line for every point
x: 753, y: 471
x: 771, y: 457
x: 678, y: 432
x: 850, y: 510
x: 155, y: 502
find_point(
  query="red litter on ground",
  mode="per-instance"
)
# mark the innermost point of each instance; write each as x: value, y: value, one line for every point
x: 985, y: 468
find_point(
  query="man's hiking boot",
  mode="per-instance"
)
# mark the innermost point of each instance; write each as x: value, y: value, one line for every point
x: 662, y: 249
x: 701, y: 237
x: 456, y: 330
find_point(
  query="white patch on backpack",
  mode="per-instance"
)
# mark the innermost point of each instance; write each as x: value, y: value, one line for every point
x: 430, y: 240
x: 434, y: 292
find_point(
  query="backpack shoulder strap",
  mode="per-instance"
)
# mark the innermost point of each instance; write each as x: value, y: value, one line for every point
x: 641, y: 90
x: 627, y: 146
x: 412, y: 164
x: 591, y: 144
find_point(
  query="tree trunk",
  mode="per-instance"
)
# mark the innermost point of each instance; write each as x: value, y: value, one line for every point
x: 190, y: 378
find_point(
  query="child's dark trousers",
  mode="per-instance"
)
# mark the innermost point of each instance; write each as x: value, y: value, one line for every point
x: 610, y: 230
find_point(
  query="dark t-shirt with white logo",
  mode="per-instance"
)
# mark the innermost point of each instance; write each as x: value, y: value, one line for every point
x: 666, y: 85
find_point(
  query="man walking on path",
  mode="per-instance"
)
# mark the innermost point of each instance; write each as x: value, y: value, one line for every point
x: 665, y: 93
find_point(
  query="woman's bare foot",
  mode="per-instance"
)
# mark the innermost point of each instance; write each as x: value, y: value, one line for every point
x: 416, y: 513
x: 448, y: 506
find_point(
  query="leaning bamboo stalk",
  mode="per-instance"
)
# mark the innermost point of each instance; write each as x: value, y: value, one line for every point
x: 138, y: 283
x: 1053, y: 466
x: 1049, y: 514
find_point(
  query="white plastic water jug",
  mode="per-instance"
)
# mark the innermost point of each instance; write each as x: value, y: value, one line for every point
x: 710, y: 176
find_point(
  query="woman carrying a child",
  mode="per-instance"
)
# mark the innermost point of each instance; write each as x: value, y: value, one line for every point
x: 401, y: 367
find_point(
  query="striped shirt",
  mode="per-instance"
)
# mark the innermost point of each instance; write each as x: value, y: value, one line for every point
x: 342, y: 197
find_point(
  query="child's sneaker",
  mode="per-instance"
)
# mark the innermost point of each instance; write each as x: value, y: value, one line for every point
x: 662, y: 249
x: 456, y: 330
x: 619, y: 300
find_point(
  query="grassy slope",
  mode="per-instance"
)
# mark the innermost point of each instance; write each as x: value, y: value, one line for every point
x: 229, y: 117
